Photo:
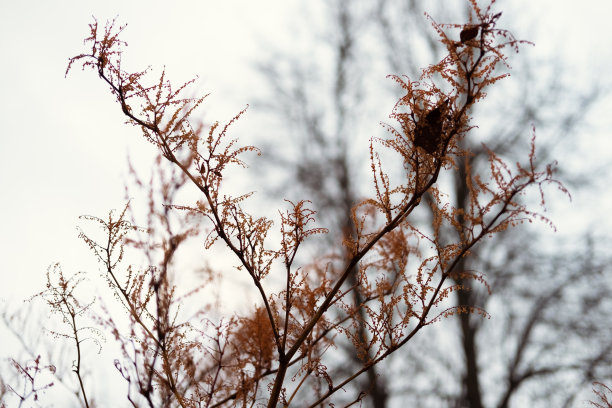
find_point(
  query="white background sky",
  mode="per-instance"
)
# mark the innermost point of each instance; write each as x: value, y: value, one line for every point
x: 63, y: 142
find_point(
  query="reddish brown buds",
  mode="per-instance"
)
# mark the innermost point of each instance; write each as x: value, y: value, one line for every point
x: 101, y: 61
x: 469, y: 33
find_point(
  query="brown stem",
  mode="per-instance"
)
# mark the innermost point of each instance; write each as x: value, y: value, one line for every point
x: 77, y: 368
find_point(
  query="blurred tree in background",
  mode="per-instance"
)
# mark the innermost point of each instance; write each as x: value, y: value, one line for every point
x: 549, y: 339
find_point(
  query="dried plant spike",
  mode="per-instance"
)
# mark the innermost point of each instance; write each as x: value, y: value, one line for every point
x: 469, y: 33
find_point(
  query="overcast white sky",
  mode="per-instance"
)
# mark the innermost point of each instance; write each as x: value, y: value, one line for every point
x: 63, y: 142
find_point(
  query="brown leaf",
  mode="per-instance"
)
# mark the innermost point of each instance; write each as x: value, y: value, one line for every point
x: 428, y: 133
x: 469, y: 33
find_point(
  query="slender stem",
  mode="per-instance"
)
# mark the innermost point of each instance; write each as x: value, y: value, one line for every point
x: 77, y: 369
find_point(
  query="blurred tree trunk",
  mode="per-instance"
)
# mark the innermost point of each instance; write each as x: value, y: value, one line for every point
x: 468, y: 323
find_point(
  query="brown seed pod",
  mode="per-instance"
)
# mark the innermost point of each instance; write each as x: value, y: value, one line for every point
x: 428, y: 132
x: 469, y: 33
